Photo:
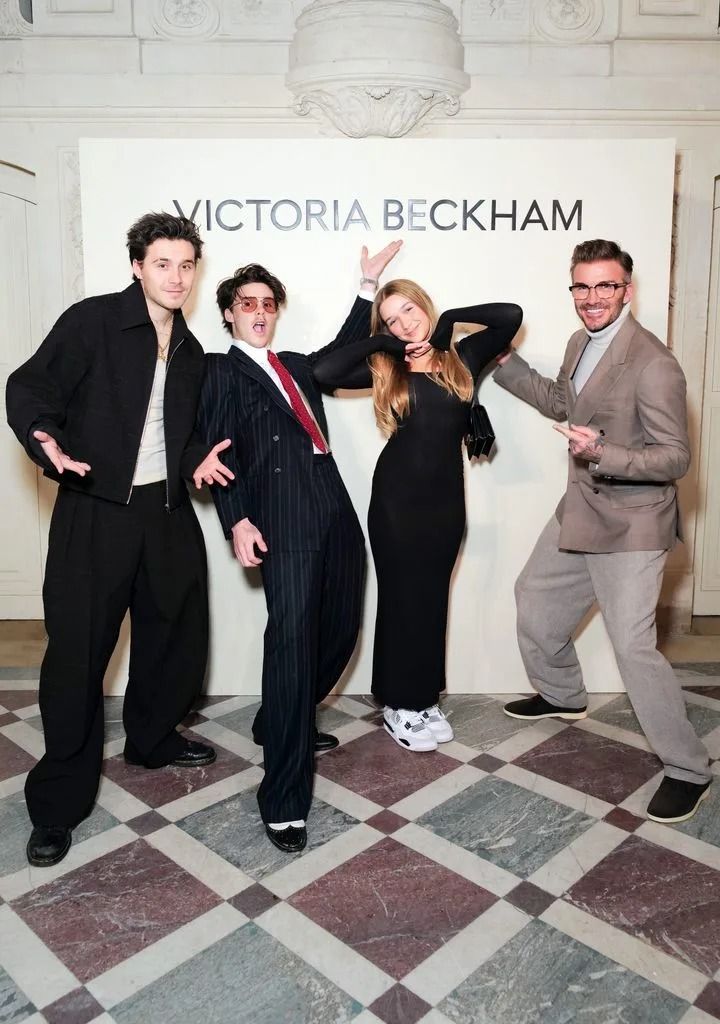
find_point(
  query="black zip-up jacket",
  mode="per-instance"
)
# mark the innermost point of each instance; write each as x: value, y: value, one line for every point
x: 88, y: 385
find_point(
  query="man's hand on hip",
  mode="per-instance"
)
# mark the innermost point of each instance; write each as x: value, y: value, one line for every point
x: 245, y: 537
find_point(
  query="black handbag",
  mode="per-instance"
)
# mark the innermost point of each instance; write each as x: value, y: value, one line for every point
x: 480, y: 436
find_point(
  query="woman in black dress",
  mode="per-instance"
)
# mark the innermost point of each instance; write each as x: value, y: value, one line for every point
x: 422, y: 390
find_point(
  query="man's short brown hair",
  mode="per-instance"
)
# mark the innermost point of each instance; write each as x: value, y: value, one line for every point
x: 601, y: 249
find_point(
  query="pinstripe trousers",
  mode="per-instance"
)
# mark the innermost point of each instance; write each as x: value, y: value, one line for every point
x: 314, y: 601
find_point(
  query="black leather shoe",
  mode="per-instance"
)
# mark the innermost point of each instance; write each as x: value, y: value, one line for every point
x: 48, y: 844
x: 195, y: 755
x: 531, y: 709
x: 289, y: 840
x: 676, y: 800
x: 323, y: 741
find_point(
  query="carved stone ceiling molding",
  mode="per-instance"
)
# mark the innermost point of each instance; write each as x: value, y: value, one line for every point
x: 182, y: 19
x: 376, y: 69
x: 568, y: 20
x: 12, y: 23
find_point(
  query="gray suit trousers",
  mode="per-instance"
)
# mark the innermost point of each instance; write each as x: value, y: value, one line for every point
x: 554, y: 592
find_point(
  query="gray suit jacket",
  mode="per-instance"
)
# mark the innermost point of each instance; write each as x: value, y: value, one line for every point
x: 636, y: 397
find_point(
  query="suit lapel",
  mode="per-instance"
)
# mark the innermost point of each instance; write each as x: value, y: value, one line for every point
x: 605, y: 375
x: 251, y: 368
x: 579, y: 341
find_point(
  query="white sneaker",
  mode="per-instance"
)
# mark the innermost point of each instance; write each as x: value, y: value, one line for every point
x: 408, y: 729
x: 438, y: 724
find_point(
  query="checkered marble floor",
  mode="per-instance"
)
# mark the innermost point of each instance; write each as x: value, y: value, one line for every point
x: 508, y: 878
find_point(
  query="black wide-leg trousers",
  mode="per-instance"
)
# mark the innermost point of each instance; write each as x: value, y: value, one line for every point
x: 314, y: 602
x: 103, y: 559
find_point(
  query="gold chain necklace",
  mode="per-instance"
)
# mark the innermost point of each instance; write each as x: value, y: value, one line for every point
x: 162, y: 350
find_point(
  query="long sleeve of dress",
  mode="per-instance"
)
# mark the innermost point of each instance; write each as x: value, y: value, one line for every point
x: 501, y: 321
x: 348, y: 367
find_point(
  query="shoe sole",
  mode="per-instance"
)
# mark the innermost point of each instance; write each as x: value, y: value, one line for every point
x: 48, y: 862
x: 405, y: 744
x: 683, y: 817
x: 570, y: 716
x: 172, y: 764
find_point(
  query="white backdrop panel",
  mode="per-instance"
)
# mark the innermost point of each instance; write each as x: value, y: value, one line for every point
x: 554, y: 193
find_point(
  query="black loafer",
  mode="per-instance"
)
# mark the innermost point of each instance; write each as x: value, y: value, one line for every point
x: 195, y: 755
x: 325, y: 741
x: 48, y: 844
x: 676, y: 800
x: 532, y: 709
x: 289, y: 840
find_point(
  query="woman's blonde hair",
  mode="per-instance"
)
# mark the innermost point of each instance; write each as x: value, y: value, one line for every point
x: 391, y: 393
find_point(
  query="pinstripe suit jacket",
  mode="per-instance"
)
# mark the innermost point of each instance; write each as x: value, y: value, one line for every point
x: 271, y: 454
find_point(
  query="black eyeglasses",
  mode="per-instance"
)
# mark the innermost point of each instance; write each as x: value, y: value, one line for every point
x: 249, y: 303
x: 603, y: 290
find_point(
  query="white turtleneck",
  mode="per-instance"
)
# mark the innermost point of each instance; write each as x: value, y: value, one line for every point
x: 596, y: 348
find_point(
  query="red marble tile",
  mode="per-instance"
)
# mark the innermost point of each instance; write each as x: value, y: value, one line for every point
x: 621, y: 818
x: 530, y: 898
x: 146, y: 823
x: 161, y: 785
x: 709, y: 1000
x: 387, y: 821
x: 13, y: 759
x: 208, y: 702
x: 14, y: 700
x: 77, y: 1007
x: 592, y: 764
x: 392, y: 905
x: 254, y: 900
x: 487, y: 763
x: 659, y: 896
x: 400, y: 1006
x: 106, y: 911
x: 707, y: 691
x: 377, y: 768
x: 6, y: 719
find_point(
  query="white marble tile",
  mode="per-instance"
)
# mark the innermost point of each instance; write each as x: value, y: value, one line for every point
x: 29, y: 739
x: 450, y: 965
x: 31, y: 711
x: 19, y: 684
x: 350, y: 707
x: 679, y: 842
x: 712, y: 743
x: 366, y: 1018
x: 226, y: 707
x: 335, y: 959
x: 612, y: 732
x: 458, y: 750
x: 569, y: 865
x: 632, y: 953
x: 476, y: 869
x: 30, y: 963
x: 526, y: 738
x: 9, y: 787
x: 313, y: 865
x: 12, y: 886
x: 118, y: 801
x: 556, y: 791
x: 637, y: 802
x: 206, y: 865
x: 697, y: 1016
x: 344, y: 799
x: 435, y: 1017
x: 114, y: 747
x: 209, y: 795
x: 214, y: 732
x: 353, y: 730
x: 162, y: 956
x: 437, y: 792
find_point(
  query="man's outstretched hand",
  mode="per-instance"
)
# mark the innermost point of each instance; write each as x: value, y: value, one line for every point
x: 211, y: 470
x: 57, y: 456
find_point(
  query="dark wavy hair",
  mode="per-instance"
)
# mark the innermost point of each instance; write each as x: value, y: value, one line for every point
x: 601, y: 249
x: 253, y: 273
x: 151, y: 227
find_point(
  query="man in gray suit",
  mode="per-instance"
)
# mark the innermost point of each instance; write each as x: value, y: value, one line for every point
x: 623, y: 394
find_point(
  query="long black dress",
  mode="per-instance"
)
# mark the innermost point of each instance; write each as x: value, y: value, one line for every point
x: 416, y: 517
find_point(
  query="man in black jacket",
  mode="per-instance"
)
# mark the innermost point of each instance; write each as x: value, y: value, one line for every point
x: 106, y: 406
x: 287, y: 511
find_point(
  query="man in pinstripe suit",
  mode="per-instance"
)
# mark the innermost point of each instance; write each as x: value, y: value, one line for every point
x: 288, y: 512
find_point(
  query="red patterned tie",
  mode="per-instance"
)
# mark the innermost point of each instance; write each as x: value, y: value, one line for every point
x: 298, y: 406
